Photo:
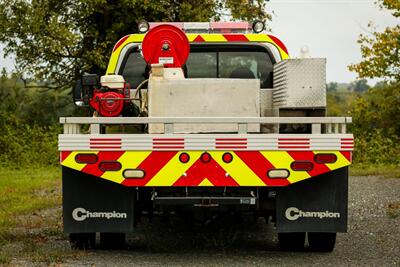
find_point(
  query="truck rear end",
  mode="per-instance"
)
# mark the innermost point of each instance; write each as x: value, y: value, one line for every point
x: 205, y: 117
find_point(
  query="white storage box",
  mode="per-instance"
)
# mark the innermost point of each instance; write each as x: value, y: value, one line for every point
x: 203, y: 98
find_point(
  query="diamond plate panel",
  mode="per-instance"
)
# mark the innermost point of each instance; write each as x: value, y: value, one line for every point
x: 300, y: 83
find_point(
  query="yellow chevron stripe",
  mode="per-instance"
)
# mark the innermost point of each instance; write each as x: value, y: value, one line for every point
x: 213, y: 37
x: 138, y: 38
x: 128, y: 160
x: 341, y: 160
x: 282, y: 160
x: 173, y: 170
x: 252, y: 37
x: 238, y: 170
x: 191, y: 36
x: 112, y: 64
x: 266, y: 39
x: 205, y: 182
x: 71, y: 163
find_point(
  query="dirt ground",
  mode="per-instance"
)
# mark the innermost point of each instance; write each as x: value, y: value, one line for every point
x: 373, y: 239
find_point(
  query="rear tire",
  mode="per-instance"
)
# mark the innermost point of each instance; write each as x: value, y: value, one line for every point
x: 82, y: 240
x: 322, y: 242
x: 112, y: 240
x: 292, y: 241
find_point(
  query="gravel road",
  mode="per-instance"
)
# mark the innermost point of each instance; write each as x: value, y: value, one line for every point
x: 373, y: 238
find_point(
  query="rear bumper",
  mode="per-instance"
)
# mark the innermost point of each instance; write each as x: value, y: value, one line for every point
x: 165, y: 168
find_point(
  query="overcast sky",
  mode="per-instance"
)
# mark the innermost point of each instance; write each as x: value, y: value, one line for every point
x: 329, y: 28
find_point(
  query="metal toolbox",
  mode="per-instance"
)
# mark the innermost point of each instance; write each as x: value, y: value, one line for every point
x: 300, y: 83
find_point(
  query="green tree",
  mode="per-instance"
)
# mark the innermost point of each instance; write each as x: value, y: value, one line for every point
x: 359, y: 86
x: 332, y: 86
x: 57, y: 41
x: 376, y: 125
x: 381, y: 51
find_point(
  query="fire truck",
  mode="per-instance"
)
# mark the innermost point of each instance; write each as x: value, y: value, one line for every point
x: 205, y: 117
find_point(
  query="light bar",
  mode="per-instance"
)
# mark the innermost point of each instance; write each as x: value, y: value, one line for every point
x: 218, y: 26
x: 176, y: 24
x: 209, y: 27
x: 198, y: 27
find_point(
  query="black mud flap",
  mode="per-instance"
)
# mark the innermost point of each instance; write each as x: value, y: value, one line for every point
x: 318, y: 204
x: 92, y: 204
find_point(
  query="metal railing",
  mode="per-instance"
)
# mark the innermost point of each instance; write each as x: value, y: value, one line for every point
x: 72, y: 125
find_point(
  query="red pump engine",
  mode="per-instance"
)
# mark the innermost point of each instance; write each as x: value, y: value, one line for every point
x: 109, y: 100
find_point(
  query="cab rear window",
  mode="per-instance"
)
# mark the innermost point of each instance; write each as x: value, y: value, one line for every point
x: 252, y: 62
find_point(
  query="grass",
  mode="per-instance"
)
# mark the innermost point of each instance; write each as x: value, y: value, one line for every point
x: 25, y: 191
x: 30, y: 217
x: 385, y: 170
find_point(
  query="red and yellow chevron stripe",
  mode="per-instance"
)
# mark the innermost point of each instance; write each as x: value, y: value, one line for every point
x: 196, y: 38
x: 164, y: 168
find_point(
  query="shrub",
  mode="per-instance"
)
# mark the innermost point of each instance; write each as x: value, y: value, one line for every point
x: 22, y: 144
x: 376, y: 125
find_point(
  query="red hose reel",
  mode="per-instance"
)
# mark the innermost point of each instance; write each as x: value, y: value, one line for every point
x: 167, y: 45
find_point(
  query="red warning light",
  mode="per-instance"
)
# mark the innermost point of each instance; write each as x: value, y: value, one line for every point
x: 184, y: 157
x: 205, y: 157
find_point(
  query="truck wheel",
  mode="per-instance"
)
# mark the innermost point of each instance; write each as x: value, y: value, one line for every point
x: 292, y: 241
x: 82, y: 240
x: 322, y: 242
x: 112, y: 240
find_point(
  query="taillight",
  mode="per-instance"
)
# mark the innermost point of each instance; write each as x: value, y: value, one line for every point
x: 302, y: 166
x: 323, y: 158
x: 184, y: 157
x: 205, y: 157
x: 110, y: 166
x: 227, y: 157
x: 278, y: 173
x: 86, y: 158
